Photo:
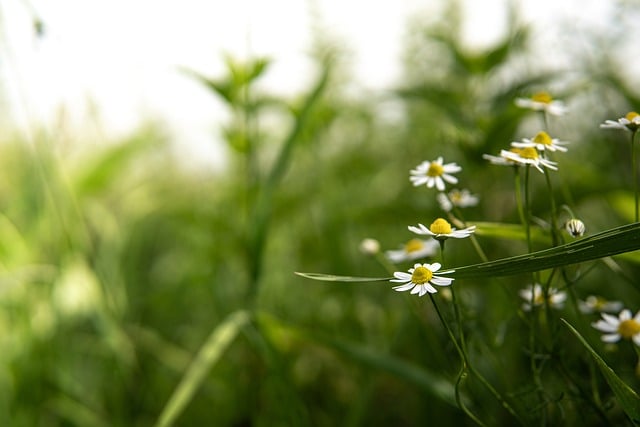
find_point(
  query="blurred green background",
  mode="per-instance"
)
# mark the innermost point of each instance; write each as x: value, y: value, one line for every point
x: 119, y: 264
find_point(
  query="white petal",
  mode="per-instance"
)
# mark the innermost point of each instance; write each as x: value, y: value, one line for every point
x: 611, y: 338
x: 442, y: 281
x: 636, y: 339
x: 450, y: 178
x: 624, y: 315
x: 402, y: 275
x: 604, y: 326
x: 404, y: 287
x: 439, y: 183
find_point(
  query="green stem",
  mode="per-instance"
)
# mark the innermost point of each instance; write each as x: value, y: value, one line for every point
x: 634, y: 169
x: 554, y: 213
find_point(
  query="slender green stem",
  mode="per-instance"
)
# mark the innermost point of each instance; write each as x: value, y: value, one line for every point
x: 554, y: 212
x: 634, y: 168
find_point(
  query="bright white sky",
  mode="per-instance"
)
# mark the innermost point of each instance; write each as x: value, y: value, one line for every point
x: 120, y: 57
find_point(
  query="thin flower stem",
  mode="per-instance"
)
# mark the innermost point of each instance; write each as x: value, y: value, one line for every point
x: 634, y: 168
x: 554, y: 213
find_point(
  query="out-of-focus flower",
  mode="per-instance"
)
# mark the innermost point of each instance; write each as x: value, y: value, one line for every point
x: 434, y: 173
x: 623, y: 326
x: 542, y: 101
x: 420, y: 278
x: 456, y: 198
x: 630, y: 122
x: 528, y: 156
x: 413, y: 249
x: 440, y: 229
x: 542, y: 142
x: 534, y: 297
x: 594, y: 304
x: 369, y: 246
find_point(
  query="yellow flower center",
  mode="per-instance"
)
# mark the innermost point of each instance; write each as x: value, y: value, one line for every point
x: 528, y: 153
x: 435, y: 169
x: 542, y: 138
x: 455, y: 196
x: 413, y: 245
x: 421, y: 275
x: 631, y: 115
x: 543, y: 97
x: 628, y: 328
x: 440, y: 226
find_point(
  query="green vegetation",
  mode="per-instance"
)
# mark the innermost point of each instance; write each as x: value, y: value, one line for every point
x: 135, y: 292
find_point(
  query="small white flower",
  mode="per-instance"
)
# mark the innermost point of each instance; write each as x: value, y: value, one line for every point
x: 630, y: 122
x: 575, y: 227
x: 434, y: 173
x: 541, y: 142
x: 420, y: 278
x: 542, y: 101
x: 457, y: 198
x: 623, y: 326
x: 595, y: 304
x: 534, y: 297
x: 528, y: 156
x: 440, y: 229
x: 414, y: 249
x: 369, y: 246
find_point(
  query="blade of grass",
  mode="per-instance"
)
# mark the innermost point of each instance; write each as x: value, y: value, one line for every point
x: 611, y: 242
x: 628, y: 399
x: 218, y: 341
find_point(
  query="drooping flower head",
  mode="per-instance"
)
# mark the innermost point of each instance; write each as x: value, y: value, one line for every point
x: 421, y: 278
x: 456, y: 198
x: 542, y: 101
x: 534, y: 297
x: 623, y: 326
x: 630, y: 122
x: 528, y: 156
x: 542, y: 142
x: 434, y: 173
x: 412, y: 250
x: 575, y: 227
x: 440, y: 229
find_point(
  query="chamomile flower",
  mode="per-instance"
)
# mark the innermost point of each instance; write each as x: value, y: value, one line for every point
x: 542, y: 101
x: 440, y: 229
x: 421, y: 278
x: 595, y: 304
x: 534, y: 297
x: 542, y: 141
x: 413, y: 249
x: 630, y: 122
x: 528, y: 156
x: 575, y: 227
x: 456, y: 198
x: 623, y: 326
x: 434, y: 173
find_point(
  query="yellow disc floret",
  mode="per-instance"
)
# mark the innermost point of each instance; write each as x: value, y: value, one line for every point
x: 421, y: 275
x: 435, y: 169
x: 528, y: 153
x: 628, y: 328
x: 542, y: 138
x: 543, y: 97
x: 440, y: 226
x: 413, y: 245
x: 631, y: 115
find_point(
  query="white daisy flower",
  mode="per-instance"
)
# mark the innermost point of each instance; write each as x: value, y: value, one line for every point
x: 420, y: 278
x: 594, y: 304
x: 440, y: 229
x: 369, y: 246
x: 414, y: 249
x: 542, y: 101
x: 623, y: 326
x: 434, y: 173
x: 575, y: 227
x: 542, y: 141
x: 457, y: 198
x: 534, y: 297
x: 629, y: 122
x: 528, y: 156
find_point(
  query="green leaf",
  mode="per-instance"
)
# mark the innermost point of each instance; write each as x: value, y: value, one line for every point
x: 615, y: 241
x: 628, y: 399
x: 212, y: 350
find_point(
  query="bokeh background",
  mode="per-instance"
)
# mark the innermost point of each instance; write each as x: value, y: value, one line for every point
x: 165, y: 168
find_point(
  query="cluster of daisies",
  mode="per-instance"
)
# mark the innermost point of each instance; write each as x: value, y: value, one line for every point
x: 424, y: 278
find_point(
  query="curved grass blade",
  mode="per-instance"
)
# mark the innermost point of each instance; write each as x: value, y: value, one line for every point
x: 628, y: 399
x: 611, y: 242
x: 334, y: 278
x: 218, y: 341
x: 607, y: 243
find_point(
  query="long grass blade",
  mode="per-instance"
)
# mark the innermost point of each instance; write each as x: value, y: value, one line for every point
x: 215, y: 346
